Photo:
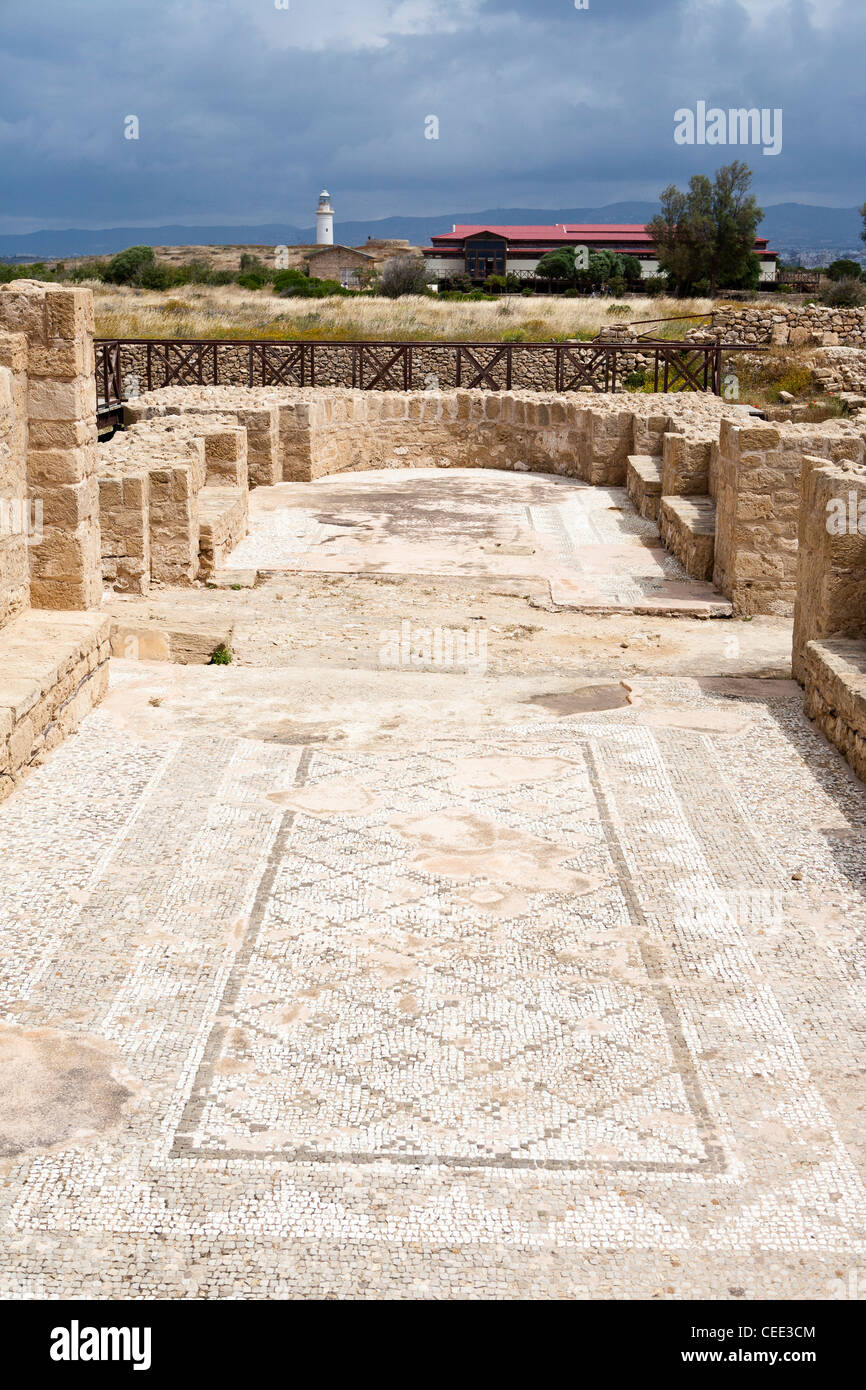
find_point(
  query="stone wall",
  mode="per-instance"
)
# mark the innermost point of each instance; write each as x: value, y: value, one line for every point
x: 173, y: 493
x: 53, y: 664
x: 322, y: 431
x: 57, y: 324
x: 831, y: 569
x: 15, y: 516
x: 789, y: 325
x: 758, y: 506
x: 838, y: 369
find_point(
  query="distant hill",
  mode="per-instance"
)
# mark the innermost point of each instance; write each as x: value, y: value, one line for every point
x: 789, y: 226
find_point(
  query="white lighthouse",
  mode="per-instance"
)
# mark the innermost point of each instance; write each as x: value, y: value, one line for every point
x: 324, y: 220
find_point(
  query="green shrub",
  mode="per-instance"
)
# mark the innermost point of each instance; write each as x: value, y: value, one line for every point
x: 293, y: 284
x: 221, y: 656
x: 844, y: 294
x: 127, y: 266
x: 635, y: 380
x: 287, y: 279
x: 619, y: 309
x: 461, y: 284
x: 87, y: 270
x: 254, y: 265
x: 36, y: 271
x: 403, y: 275
x: 156, y: 277
x: 198, y: 273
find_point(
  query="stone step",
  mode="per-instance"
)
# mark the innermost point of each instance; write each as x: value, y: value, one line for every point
x: 223, y: 520
x: 687, y: 526
x: 644, y: 483
x: 183, y: 633
x: 53, y: 670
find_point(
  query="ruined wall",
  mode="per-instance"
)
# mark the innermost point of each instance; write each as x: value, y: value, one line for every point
x: 15, y: 518
x: 173, y: 493
x: 840, y: 369
x: 325, y: 431
x: 789, y: 325
x: 758, y: 506
x: 57, y: 324
x: 831, y: 568
x: 686, y: 462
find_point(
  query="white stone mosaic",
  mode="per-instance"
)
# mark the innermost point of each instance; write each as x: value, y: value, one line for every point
x: 571, y: 1008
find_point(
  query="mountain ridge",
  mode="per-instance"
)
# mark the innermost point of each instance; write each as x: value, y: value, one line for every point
x: 789, y: 226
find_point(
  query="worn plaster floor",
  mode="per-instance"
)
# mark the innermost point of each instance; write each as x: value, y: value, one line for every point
x: 587, y: 544
x: 543, y: 977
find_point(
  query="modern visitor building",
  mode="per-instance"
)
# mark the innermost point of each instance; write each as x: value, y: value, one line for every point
x: 481, y: 251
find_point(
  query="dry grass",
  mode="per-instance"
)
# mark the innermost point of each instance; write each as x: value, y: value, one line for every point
x: 204, y: 311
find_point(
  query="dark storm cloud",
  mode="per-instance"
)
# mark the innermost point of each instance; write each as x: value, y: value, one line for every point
x: 246, y: 110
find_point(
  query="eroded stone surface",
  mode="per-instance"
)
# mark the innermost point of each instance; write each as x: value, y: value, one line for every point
x: 57, y: 1088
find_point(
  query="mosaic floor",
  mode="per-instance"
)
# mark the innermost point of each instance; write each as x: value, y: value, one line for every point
x: 572, y: 1007
x: 588, y: 543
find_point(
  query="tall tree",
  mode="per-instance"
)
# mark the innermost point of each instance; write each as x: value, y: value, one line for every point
x: 709, y: 232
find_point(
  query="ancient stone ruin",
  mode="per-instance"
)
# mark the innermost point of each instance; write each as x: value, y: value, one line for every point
x: 744, y: 505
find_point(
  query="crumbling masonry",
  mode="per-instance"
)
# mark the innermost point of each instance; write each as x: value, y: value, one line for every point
x: 741, y: 503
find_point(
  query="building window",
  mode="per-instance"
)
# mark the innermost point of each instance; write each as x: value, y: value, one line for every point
x: 485, y: 258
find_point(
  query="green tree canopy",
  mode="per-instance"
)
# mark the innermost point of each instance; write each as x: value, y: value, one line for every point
x: 844, y: 270
x: 709, y: 232
x: 557, y: 265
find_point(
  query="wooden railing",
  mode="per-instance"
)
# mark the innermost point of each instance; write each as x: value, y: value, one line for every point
x: 126, y: 367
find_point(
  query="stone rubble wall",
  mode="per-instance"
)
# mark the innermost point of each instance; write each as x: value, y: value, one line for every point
x: 787, y: 325
x: 433, y: 367
x: 14, y: 504
x: 840, y: 369
x: 255, y: 411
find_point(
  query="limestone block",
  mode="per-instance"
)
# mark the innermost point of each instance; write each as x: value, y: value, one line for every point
x: 62, y: 400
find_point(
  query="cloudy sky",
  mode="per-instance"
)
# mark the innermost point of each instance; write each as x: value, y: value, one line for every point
x: 246, y: 110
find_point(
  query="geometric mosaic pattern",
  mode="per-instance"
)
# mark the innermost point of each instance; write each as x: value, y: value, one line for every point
x: 567, y: 1007
x: 382, y: 1018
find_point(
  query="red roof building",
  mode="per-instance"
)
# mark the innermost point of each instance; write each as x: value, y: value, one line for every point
x: 481, y: 251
